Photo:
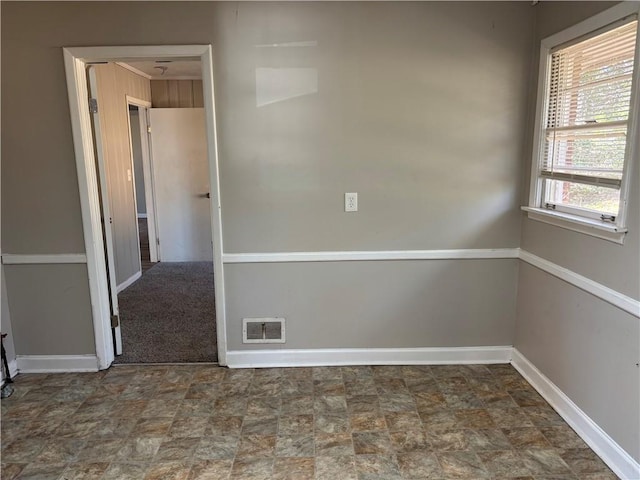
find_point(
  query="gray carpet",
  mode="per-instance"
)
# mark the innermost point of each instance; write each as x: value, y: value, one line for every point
x: 169, y: 315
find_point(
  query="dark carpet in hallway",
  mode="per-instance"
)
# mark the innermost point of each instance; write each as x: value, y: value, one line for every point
x: 169, y: 315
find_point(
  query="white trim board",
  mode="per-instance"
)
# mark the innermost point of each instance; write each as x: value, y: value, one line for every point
x: 141, y: 215
x: 56, y: 363
x: 41, y: 259
x: 367, y: 356
x: 129, y: 281
x: 615, y: 298
x: 600, y: 442
x: 338, y: 256
x: 133, y: 69
x: 13, y: 368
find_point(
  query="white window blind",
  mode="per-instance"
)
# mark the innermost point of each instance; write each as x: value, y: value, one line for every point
x: 585, y: 130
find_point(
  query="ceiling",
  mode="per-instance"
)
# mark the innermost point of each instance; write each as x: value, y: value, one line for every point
x: 185, y: 69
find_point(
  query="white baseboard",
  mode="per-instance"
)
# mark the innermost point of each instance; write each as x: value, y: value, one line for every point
x: 142, y: 215
x: 56, y: 363
x: 128, y: 281
x: 600, y: 442
x: 367, y: 356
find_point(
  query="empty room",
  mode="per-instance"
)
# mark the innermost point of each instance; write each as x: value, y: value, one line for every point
x: 404, y: 245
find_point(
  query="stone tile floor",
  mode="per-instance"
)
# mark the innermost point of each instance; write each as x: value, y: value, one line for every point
x: 329, y: 423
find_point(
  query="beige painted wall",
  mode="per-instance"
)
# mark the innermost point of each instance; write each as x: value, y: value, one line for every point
x: 587, y: 347
x: 50, y: 309
x: 114, y: 84
x: 420, y: 108
x: 378, y: 304
x: 176, y: 94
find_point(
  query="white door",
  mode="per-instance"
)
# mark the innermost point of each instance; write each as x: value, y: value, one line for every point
x: 181, y: 180
x: 106, y: 213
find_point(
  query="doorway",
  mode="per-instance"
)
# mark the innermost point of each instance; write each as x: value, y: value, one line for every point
x: 168, y: 315
x: 100, y: 271
x: 140, y: 155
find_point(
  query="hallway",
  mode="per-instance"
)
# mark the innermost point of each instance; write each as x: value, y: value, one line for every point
x: 168, y: 316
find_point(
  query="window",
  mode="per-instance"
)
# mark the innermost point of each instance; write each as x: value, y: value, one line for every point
x: 586, y: 126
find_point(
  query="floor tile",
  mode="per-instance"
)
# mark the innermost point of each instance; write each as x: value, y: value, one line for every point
x: 125, y: 471
x: 257, y: 446
x: 260, y: 425
x: 474, y: 418
x: 217, y: 448
x: 487, y: 439
x: 138, y: 449
x: 448, y: 440
x: 85, y: 471
x: 42, y: 471
x: 297, y: 405
x: 210, y: 469
x: 177, y: 449
x: 509, y: 417
x: 295, y: 424
x: 101, y: 449
x: 333, y: 444
x: 372, y: 443
x: 168, y: 471
x: 541, y: 462
x: 400, y: 421
x: 334, y: 468
x: 367, y: 421
x: 563, y: 437
x: 409, y: 441
x: 295, y: 446
x: 462, y: 465
x: 419, y: 465
x: 377, y: 467
x: 152, y: 426
x: 338, y: 423
x: 503, y: 463
x: 331, y: 422
x: 252, y: 468
x: 293, y: 469
x: 525, y: 438
x: 363, y: 404
x: 224, y: 425
x: 22, y: 450
x: 9, y: 471
x: 582, y: 461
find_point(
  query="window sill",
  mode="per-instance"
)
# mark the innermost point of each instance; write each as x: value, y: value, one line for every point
x: 595, y: 228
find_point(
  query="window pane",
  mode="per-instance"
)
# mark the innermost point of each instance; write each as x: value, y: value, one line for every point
x: 576, y: 195
x: 591, y: 81
x: 597, y: 152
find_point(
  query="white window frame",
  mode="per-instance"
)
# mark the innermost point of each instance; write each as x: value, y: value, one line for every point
x: 566, y: 217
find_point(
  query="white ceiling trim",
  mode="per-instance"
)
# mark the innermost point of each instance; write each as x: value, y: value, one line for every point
x: 134, y: 70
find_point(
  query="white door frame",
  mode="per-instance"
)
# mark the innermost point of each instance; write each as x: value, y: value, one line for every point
x: 149, y: 189
x: 75, y: 59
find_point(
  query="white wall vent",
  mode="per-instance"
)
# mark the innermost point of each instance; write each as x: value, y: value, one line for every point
x: 263, y: 330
